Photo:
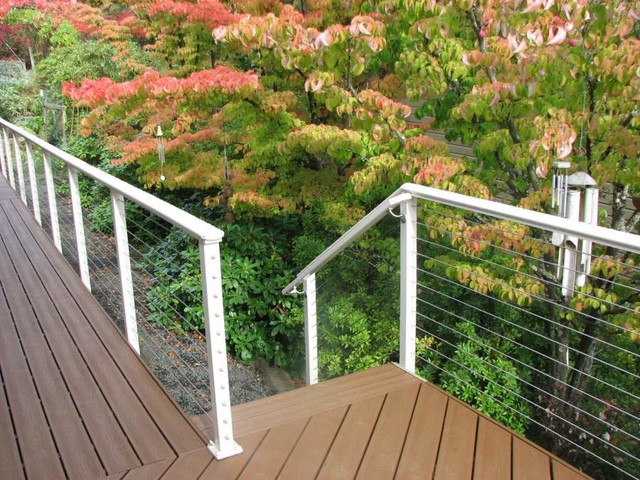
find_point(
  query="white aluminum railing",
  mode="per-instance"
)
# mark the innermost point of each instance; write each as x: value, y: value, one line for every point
x: 405, y: 196
x: 14, y: 140
x: 420, y: 316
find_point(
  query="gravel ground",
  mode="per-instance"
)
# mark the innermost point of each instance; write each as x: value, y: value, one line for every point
x: 179, y: 361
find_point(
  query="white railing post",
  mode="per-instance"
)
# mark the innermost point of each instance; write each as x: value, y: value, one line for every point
x: 20, y: 167
x: 51, y: 198
x: 408, y: 283
x: 311, y: 329
x: 7, y: 151
x: 33, y: 183
x: 124, y: 267
x: 223, y: 444
x: 83, y: 263
x: 3, y: 160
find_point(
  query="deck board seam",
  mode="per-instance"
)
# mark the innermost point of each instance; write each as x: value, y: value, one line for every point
x: 444, y: 418
x: 375, y: 425
x: 253, y: 454
x: 406, y: 433
x: 306, y: 425
x: 13, y: 423
x: 333, y: 441
x: 475, y: 447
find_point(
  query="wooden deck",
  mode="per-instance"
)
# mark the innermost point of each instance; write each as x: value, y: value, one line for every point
x: 383, y: 423
x: 77, y: 402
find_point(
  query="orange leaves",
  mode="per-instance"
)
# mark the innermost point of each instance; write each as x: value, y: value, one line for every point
x: 209, y: 13
x: 435, y: 170
x: 226, y: 80
x: 557, y: 135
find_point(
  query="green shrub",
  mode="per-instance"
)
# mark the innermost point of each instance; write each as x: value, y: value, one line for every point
x: 260, y: 321
x: 486, y: 380
x: 352, y: 339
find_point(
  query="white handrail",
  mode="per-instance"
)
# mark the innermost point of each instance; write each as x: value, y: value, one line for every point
x: 223, y: 444
x: 601, y: 235
x: 191, y: 224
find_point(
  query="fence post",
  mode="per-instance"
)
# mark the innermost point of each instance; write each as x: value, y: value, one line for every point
x: 20, y: 167
x: 33, y: 183
x: 311, y: 329
x: 3, y: 160
x: 51, y: 198
x: 223, y: 444
x: 7, y: 151
x: 124, y: 267
x: 408, y: 283
x: 83, y: 263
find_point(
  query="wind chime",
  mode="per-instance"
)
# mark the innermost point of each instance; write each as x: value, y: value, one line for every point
x: 160, y: 142
x: 576, y: 197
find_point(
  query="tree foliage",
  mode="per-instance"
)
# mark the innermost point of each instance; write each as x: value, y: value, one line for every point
x: 278, y: 109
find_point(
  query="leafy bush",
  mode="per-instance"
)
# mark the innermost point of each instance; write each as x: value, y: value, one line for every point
x: 73, y: 62
x: 18, y: 101
x: 352, y: 340
x: 260, y: 321
x: 486, y: 380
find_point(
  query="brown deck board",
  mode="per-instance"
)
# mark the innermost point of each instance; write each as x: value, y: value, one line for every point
x: 78, y: 455
x: 268, y: 460
x: 382, y: 455
x: 529, y: 462
x: 345, y: 455
x: 420, y: 451
x: 306, y: 458
x: 32, y: 430
x: 562, y: 471
x: 455, y: 459
x: 138, y: 426
x: 10, y: 462
x: 178, y: 431
x: 493, y: 447
x: 189, y: 465
x: 296, y: 404
x: 233, y: 466
x: 110, y: 441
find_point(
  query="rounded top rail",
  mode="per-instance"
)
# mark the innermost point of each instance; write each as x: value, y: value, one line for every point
x: 601, y: 235
x: 194, y: 226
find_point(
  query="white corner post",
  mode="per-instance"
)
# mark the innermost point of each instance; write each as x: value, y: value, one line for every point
x: 311, y: 329
x: 223, y: 444
x: 408, y: 283
x: 33, y: 183
x: 124, y: 267
x: 20, y: 167
x: 7, y: 151
x: 81, y: 244
x: 51, y: 199
x: 3, y: 160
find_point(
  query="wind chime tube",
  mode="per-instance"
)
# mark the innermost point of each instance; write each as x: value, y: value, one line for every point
x: 589, y: 216
x: 570, y: 245
x: 160, y: 140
